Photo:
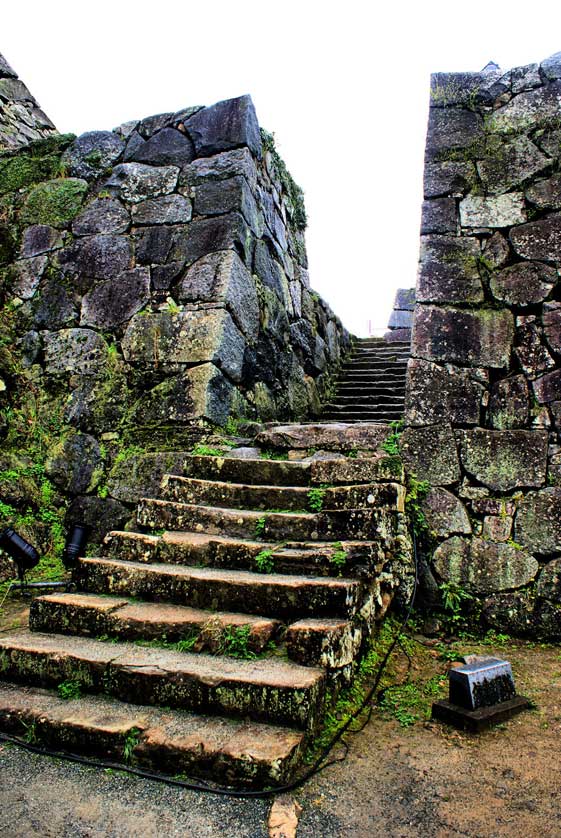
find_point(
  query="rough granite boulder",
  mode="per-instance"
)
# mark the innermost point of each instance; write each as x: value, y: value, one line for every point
x: 75, y: 352
x: 441, y: 393
x: 102, y: 215
x: 509, y: 403
x: 502, y: 211
x: 504, y: 460
x: 484, y: 566
x: 448, y: 271
x: 538, y: 521
x: 93, y: 152
x: 137, y: 182
x: 167, y: 147
x: 479, y: 338
x: 445, y: 514
x: 228, y: 124
x: 115, y: 301
x: 523, y: 284
x: 539, y: 239
x: 75, y: 464
x: 430, y: 454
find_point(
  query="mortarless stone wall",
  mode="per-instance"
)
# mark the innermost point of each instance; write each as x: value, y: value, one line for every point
x: 153, y: 283
x: 21, y: 118
x: 483, y: 403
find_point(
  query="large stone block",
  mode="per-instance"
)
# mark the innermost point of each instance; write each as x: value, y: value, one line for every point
x: 169, y: 209
x: 501, y: 211
x: 225, y: 125
x: 75, y: 464
x: 223, y: 278
x: 439, y: 216
x: 549, y: 582
x: 404, y: 299
x: 509, y: 403
x: 167, y: 147
x: 527, y: 111
x: 38, y: 239
x: 207, y: 235
x: 504, y: 460
x: 530, y: 350
x: 115, y: 301
x: 448, y: 271
x: 26, y: 275
x: 101, y: 515
x: 547, y: 388
x: 551, y: 320
x: 54, y: 202
x: 103, y: 215
x: 445, y: 514
x: 508, y: 164
x: 141, y: 474
x: 448, y: 177
x: 523, y: 284
x: 546, y: 194
x: 484, y: 566
x: 452, y: 129
x: 431, y: 454
x: 95, y: 257
x: 228, y: 164
x: 75, y: 352
x: 539, y: 239
x: 186, y: 337
x: 468, y: 89
x: 215, y: 197
x: 469, y: 338
x: 538, y: 521
x: 93, y: 152
x: 137, y: 182
x: 496, y: 251
x: 436, y: 394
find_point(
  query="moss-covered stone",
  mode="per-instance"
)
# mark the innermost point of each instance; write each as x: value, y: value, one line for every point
x: 54, y: 202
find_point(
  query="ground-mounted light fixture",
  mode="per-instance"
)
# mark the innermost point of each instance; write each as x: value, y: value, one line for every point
x: 75, y: 543
x: 482, y: 693
x: 21, y: 551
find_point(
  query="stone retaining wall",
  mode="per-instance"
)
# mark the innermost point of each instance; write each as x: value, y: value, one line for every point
x: 153, y: 282
x: 21, y: 118
x: 483, y: 403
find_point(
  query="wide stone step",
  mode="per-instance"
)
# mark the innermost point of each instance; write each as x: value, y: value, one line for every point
x: 360, y: 558
x: 370, y: 398
x: 264, y: 689
x: 252, y: 471
x: 327, y: 436
x: 363, y: 406
x: 296, y: 499
x: 329, y: 525
x: 350, y: 417
x: 268, y: 594
x: 163, y: 514
x: 91, y: 615
x: 352, y: 391
x: 239, y: 753
x: 385, y: 378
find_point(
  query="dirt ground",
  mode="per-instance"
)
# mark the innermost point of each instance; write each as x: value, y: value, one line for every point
x: 423, y: 781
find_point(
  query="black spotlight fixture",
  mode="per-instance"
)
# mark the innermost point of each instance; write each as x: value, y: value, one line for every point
x: 75, y: 543
x: 21, y: 551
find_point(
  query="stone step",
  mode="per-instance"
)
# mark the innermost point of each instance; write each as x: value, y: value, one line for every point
x: 264, y: 690
x: 326, y: 436
x: 331, y: 644
x: 383, y: 377
x: 350, y: 417
x: 296, y: 499
x: 329, y: 526
x: 363, y: 406
x: 158, y: 514
x: 361, y: 558
x: 90, y: 615
x: 380, y: 365
x: 252, y: 471
x: 349, y: 390
x: 268, y: 594
x: 238, y: 753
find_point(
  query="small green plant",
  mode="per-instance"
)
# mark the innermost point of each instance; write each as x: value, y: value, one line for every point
x: 267, y: 454
x: 391, y: 443
x: 264, y: 561
x: 417, y: 491
x: 315, y: 499
x: 455, y: 601
x: 131, y: 740
x: 235, y: 640
x: 232, y: 426
x: 202, y: 450
x: 352, y: 453
x: 30, y: 736
x: 102, y: 491
x: 339, y: 556
x: 70, y: 690
x: 260, y: 525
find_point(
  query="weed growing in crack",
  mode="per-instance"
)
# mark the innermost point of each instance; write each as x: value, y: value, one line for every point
x: 70, y: 690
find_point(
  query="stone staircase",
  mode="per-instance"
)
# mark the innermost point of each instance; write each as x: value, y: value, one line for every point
x: 211, y: 641
x: 371, y: 386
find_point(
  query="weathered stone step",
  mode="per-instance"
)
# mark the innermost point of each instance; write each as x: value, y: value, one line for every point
x: 350, y: 416
x: 296, y: 499
x: 361, y: 558
x: 385, y: 377
x: 332, y: 525
x: 363, y: 405
x: 268, y: 594
x: 252, y: 471
x: 162, y: 514
x: 373, y: 396
x: 375, y: 366
x: 169, y: 741
x: 91, y: 615
x: 347, y: 390
x: 327, y: 436
x: 303, y: 473
x: 264, y: 690
x: 331, y: 644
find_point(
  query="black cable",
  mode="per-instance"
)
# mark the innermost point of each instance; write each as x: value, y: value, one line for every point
x: 198, y: 786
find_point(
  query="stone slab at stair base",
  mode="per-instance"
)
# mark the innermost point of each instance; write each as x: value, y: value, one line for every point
x: 164, y: 740
x: 264, y: 690
x: 480, y: 719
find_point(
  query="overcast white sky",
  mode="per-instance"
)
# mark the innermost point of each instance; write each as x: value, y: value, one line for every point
x: 343, y: 85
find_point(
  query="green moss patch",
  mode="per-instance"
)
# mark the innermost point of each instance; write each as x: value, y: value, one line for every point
x: 55, y: 202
